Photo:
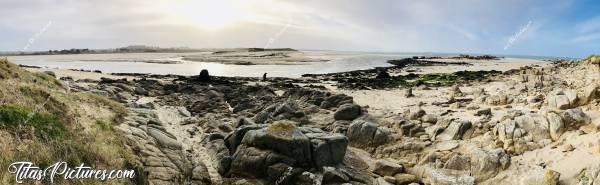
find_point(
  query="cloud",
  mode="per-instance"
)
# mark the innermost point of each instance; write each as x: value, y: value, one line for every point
x: 377, y: 25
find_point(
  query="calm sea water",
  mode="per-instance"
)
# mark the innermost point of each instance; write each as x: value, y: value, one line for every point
x: 338, y: 62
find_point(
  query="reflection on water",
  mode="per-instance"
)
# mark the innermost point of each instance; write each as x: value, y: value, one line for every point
x: 338, y: 63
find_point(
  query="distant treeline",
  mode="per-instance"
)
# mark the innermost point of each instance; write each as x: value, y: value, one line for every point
x: 128, y: 49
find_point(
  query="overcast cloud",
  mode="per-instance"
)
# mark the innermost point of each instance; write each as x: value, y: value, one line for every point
x: 558, y: 28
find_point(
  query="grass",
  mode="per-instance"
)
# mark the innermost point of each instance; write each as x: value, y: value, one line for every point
x: 43, y: 123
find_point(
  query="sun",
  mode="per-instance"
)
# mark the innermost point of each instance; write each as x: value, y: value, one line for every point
x: 207, y: 14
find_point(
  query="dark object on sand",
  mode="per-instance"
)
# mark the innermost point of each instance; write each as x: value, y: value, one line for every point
x: 383, y: 75
x: 265, y: 77
x: 204, y: 77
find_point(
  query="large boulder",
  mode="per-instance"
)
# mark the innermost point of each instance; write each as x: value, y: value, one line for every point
x: 563, y: 99
x: 328, y: 149
x: 347, y: 111
x: 486, y: 164
x: 366, y: 134
x: 284, y: 138
x: 575, y: 118
x: 534, y: 124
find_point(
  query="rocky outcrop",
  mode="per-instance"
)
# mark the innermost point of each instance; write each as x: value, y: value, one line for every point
x: 162, y: 155
x: 366, y: 134
x: 284, y: 151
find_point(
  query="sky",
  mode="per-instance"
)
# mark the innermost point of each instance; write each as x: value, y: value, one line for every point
x: 565, y: 28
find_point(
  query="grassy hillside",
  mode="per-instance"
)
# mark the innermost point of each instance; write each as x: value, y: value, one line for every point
x: 41, y: 122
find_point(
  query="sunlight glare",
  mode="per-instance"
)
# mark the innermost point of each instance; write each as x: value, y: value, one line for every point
x: 208, y: 14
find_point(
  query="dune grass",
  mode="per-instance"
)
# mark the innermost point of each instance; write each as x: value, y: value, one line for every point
x: 41, y: 122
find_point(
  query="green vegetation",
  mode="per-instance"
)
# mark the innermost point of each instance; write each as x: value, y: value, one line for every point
x: 43, y: 123
x: 593, y: 59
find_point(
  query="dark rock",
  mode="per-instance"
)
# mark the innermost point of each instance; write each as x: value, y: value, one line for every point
x: 328, y: 149
x: 347, y: 112
x: 284, y: 138
x: 332, y: 175
x: 365, y: 134
x: 204, y: 76
x: 51, y: 73
x: 484, y: 112
x: 335, y: 101
x: 383, y: 75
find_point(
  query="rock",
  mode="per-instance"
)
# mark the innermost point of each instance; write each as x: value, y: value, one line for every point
x: 429, y: 118
x: 366, y: 134
x: 327, y: 149
x: 204, y: 76
x: 458, y: 162
x: 487, y: 164
x: 164, y: 138
x: 591, y: 92
x: 141, y: 91
x: 567, y: 148
x: 383, y: 74
x: 335, y: 101
x: 499, y: 99
x: 589, y: 176
x: 551, y: 177
x: 389, y: 179
x: 408, y: 93
x: 234, y: 139
x: 383, y: 181
x: 563, y: 100
x: 484, y: 112
x: 405, y: 179
x: 51, y: 73
x: 332, y: 175
x: 535, y: 99
x: 284, y: 138
x: 455, y: 130
x: 416, y: 114
x: 447, y: 145
x: 541, y: 177
x: 347, y: 112
x: 385, y: 167
x: 241, y: 121
x: 455, y: 91
x: 535, y: 125
x: 575, y: 118
x: 555, y: 125
x: 251, y: 162
x: 450, y: 177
